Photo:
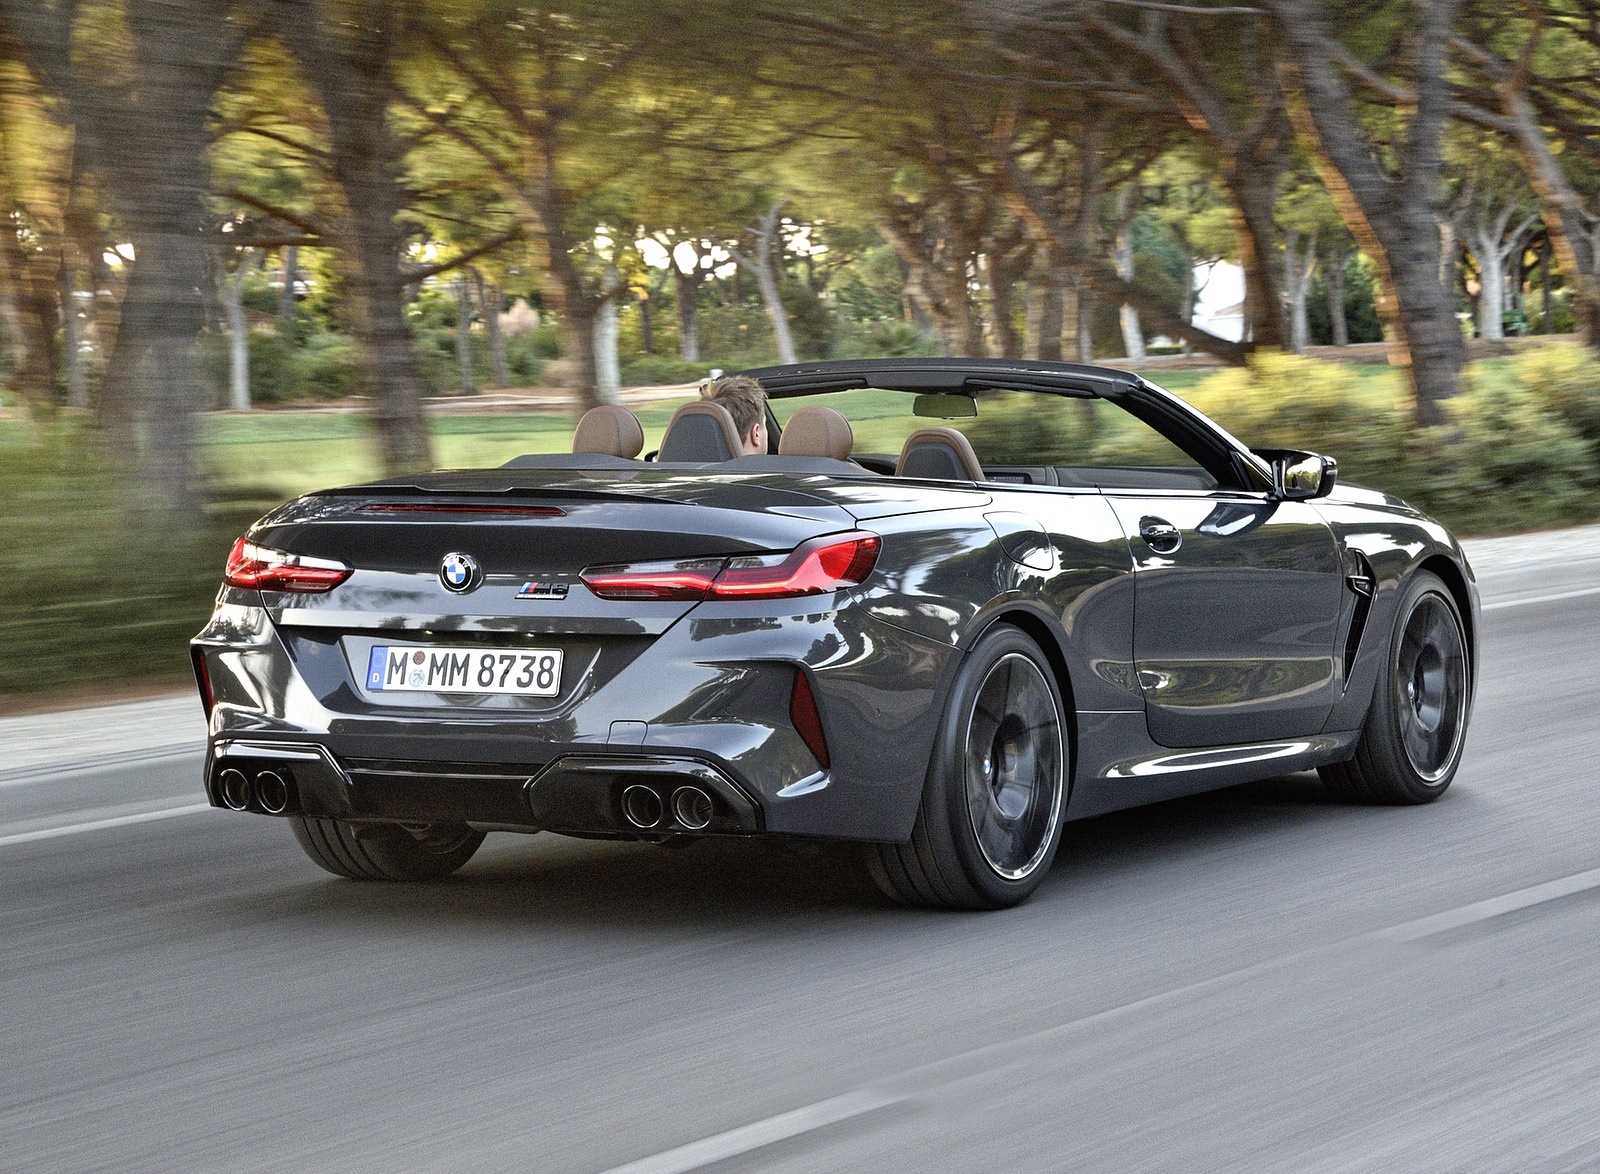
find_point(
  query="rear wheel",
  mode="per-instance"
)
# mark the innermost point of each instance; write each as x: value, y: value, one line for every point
x: 385, y: 851
x: 1411, y: 743
x: 995, y: 793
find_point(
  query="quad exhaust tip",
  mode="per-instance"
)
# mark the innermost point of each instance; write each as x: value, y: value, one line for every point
x: 272, y: 792
x: 642, y: 806
x: 235, y: 789
x: 692, y: 808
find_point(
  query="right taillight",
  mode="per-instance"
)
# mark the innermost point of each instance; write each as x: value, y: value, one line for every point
x: 265, y: 569
x: 812, y: 568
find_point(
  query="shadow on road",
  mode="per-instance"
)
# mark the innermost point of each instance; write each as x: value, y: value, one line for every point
x: 557, y: 881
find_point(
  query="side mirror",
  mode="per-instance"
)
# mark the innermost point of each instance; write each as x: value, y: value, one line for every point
x: 1300, y: 476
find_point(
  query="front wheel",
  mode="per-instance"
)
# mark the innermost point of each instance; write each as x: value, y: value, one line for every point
x: 1411, y: 743
x: 995, y: 793
x: 385, y: 851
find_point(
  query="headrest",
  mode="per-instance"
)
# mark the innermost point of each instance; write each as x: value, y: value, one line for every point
x: 610, y: 430
x: 816, y: 432
x: 701, y: 431
x: 941, y: 454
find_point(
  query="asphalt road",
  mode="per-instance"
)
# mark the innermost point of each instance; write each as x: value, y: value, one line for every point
x: 1257, y: 980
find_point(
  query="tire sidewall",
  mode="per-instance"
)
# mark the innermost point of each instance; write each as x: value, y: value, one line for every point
x: 945, y: 794
x: 1383, y: 724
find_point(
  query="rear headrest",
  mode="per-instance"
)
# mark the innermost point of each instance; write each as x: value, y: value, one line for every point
x: 816, y: 432
x: 942, y: 454
x: 608, y: 429
x: 701, y: 431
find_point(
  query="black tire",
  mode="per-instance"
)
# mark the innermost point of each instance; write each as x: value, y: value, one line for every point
x: 1411, y: 742
x: 385, y: 851
x: 996, y: 788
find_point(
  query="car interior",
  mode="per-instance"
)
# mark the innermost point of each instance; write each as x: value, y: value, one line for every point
x: 819, y: 439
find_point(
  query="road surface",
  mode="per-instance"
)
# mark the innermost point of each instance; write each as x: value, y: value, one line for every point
x: 1259, y: 980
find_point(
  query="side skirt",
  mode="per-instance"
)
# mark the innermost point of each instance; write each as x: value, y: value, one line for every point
x: 1147, y: 773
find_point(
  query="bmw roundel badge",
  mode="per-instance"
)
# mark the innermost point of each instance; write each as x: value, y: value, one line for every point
x: 459, y: 572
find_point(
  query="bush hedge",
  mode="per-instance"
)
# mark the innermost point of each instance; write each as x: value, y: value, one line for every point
x: 1521, y: 451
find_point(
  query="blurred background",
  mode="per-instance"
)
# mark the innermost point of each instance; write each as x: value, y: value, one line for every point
x: 262, y: 247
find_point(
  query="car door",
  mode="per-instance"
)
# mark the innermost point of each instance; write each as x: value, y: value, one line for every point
x: 1237, y: 602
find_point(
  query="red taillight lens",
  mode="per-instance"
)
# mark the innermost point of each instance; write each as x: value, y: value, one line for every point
x: 823, y: 564
x: 685, y: 580
x: 812, y: 568
x: 265, y: 569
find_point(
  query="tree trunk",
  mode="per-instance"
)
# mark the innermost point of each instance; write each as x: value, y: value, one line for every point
x: 1563, y: 214
x: 463, y: 333
x: 347, y: 53
x: 608, y: 366
x: 1491, y: 286
x: 238, y: 331
x: 759, y: 262
x: 1253, y: 183
x: 1546, y: 309
x: 1128, y: 316
x: 491, y: 302
x: 286, y: 295
x: 647, y: 324
x: 1298, y: 269
x: 72, y: 334
x: 1042, y: 324
x: 686, y: 289
x: 1392, y: 216
x: 1333, y: 285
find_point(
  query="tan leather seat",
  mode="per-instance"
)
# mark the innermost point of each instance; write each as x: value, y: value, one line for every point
x: 816, y: 432
x: 940, y: 454
x: 609, y: 430
x: 701, y: 431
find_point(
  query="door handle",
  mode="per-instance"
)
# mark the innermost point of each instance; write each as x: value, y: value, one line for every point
x: 1160, y: 535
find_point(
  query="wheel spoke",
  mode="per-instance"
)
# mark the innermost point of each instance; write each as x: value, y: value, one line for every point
x: 1014, y: 770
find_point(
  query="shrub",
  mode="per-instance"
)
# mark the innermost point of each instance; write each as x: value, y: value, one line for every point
x: 1286, y: 401
x: 645, y: 369
x: 1511, y: 463
x: 1566, y: 378
x: 59, y: 517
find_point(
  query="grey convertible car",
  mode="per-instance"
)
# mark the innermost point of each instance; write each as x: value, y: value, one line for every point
x: 959, y: 603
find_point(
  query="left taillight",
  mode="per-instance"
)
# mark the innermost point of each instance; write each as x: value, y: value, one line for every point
x: 812, y: 568
x: 265, y: 569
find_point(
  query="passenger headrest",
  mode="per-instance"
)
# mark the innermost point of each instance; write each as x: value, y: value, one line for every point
x: 701, y: 431
x: 610, y: 430
x: 942, y: 454
x: 816, y: 432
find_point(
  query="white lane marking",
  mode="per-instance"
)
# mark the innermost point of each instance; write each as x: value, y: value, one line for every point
x: 95, y: 825
x: 1552, y: 598
x: 994, y: 1057
x: 746, y: 1138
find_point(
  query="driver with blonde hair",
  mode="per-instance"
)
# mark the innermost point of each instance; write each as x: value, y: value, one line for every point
x: 746, y: 402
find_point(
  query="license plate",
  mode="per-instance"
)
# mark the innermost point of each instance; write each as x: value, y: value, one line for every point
x: 524, y: 672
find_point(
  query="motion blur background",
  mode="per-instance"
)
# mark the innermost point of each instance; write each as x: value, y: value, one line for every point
x: 257, y: 248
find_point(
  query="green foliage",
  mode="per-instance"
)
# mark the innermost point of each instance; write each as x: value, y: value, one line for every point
x: 1360, y: 306
x: 71, y: 613
x: 1515, y: 456
x: 1566, y: 377
x: 326, y: 367
x: 646, y: 369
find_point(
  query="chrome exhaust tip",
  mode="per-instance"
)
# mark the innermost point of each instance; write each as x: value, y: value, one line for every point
x: 234, y: 789
x: 272, y: 792
x: 692, y: 808
x: 642, y: 806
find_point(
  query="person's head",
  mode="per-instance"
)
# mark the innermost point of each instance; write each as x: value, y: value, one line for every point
x: 746, y: 403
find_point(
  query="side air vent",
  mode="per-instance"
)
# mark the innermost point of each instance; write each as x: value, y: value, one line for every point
x: 1363, y: 583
